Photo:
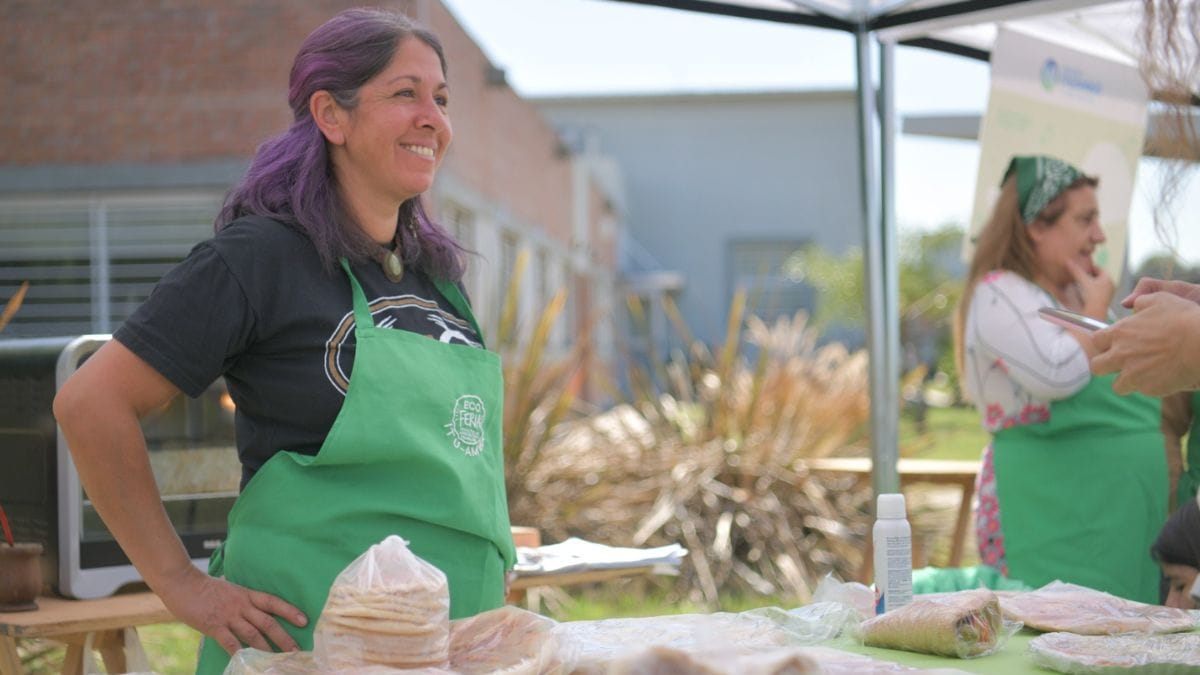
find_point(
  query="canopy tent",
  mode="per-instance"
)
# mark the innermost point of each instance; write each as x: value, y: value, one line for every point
x: 967, y: 28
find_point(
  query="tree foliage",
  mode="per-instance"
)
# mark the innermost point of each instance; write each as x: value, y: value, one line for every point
x: 930, y: 279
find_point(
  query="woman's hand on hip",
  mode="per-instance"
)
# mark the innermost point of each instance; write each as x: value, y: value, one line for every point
x: 1156, y: 350
x: 230, y: 614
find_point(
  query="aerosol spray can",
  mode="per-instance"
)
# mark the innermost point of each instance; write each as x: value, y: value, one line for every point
x: 892, y: 542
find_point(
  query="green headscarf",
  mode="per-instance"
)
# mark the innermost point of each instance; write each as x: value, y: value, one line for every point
x: 1039, y: 180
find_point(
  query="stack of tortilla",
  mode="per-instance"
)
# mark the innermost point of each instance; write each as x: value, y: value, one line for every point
x: 387, y: 608
x: 400, y: 626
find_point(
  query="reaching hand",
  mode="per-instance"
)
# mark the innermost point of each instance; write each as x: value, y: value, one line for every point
x: 1147, y: 285
x: 230, y: 614
x: 1156, y: 351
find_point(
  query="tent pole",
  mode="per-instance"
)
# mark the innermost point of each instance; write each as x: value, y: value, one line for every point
x: 882, y: 324
x: 891, y: 263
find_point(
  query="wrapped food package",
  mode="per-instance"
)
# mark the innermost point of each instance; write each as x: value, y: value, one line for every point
x: 963, y: 624
x: 506, y: 641
x: 387, y: 608
x: 1111, y: 654
x: 1062, y: 607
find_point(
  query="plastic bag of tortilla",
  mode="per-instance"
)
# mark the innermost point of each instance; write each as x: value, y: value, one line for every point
x: 508, y: 641
x: 598, y: 644
x: 963, y: 624
x: 387, y: 608
x: 1173, y: 654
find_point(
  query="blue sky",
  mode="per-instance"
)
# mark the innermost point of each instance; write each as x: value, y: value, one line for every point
x: 554, y: 47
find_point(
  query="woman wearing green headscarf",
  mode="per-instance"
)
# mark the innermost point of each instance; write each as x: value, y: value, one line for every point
x: 1074, y: 483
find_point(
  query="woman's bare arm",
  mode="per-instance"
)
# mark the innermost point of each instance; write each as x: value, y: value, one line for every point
x: 99, y: 409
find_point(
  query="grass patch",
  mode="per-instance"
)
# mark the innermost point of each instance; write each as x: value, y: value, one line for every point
x: 644, y: 597
x: 171, y: 649
x: 950, y: 433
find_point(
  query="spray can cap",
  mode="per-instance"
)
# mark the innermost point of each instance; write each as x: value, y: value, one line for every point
x: 890, y: 506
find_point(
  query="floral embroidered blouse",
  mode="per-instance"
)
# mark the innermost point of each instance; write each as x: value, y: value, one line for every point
x: 1016, y: 362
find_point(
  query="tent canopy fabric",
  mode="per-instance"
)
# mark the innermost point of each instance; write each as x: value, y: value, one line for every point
x: 965, y: 27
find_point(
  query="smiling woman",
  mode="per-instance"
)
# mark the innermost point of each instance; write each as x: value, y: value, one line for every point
x: 1065, y: 447
x: 346, y: 373
x: 386, y: 145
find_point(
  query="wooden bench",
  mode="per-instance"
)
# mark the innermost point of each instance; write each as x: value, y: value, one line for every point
x: 957, y: 473
x: 106, y: 625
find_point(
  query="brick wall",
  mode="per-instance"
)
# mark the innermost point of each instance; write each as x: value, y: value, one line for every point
x: 124, y: 81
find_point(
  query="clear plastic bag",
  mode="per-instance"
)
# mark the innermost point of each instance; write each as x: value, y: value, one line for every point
x: 387, y: 608
x: 660, y: 659
x: 735, y: 660
x: 254, y: 662
x: 1111, y: 654
x: 507, y: 641
x: 597, y: 645
x: 1063, y: 607
x: 813, y: 623
x: 850, y: 593
x: 963, y: 624
x: 503, y: 641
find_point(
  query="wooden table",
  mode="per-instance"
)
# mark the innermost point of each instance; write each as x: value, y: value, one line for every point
x: 526, y: 581
x: 107, y: 624
x: 958, y: 473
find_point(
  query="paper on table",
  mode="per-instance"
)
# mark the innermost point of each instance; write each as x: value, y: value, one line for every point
x: 576, y: 554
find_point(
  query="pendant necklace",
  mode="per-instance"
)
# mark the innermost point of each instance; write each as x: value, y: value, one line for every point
x: 389, y: 259
x: 393, y: 267
x: 390, y: 263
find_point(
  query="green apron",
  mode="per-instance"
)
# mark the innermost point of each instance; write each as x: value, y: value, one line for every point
x: 1083, y: 496
x: 1189, y: 480
x: 415, y: 451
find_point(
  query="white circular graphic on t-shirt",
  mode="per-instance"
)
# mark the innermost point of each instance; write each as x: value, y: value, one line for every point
x: 387, y: 311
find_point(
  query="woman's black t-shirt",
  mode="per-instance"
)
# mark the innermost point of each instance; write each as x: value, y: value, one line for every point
x: 255, y: 304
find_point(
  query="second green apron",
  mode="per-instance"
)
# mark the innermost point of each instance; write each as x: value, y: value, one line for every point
x: 1189, y: 480
x: 415, y: 451
x: 1083, y: 495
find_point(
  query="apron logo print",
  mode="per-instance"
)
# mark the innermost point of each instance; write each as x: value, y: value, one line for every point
x: 466, y: 424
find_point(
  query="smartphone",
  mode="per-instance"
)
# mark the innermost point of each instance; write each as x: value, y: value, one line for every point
x: 1069, y: 319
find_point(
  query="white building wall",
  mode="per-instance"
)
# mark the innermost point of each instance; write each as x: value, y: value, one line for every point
x: 701, y: 172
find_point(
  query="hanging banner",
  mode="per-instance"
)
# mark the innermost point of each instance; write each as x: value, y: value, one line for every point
x: 1048, y: 99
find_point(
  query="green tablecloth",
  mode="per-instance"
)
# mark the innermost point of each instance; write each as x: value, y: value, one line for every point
x: 1013, y: 657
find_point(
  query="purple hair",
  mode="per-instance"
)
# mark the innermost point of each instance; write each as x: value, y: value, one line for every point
x: 290, y: 178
